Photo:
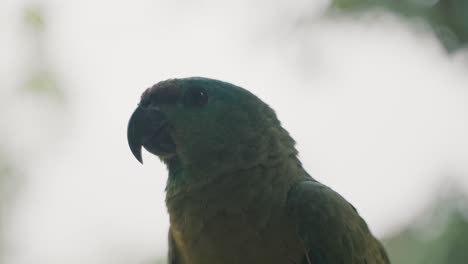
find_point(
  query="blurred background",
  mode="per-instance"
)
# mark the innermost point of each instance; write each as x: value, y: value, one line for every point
x: 379, y: 86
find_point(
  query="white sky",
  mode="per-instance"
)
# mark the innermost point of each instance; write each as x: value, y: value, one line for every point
x: 378, y: 110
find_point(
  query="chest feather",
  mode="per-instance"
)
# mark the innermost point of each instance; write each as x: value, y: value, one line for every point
x: 239, y: 219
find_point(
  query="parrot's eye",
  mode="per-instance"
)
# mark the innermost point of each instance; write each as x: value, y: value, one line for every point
x: 196, y: 96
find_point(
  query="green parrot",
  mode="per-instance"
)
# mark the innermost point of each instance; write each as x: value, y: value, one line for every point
x: 237, y: 191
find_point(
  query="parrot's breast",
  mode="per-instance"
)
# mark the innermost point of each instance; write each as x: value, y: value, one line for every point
x: 241, y: 218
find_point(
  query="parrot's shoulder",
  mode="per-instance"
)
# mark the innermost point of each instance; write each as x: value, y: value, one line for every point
x: 330, y: 228
x: 314, y: 195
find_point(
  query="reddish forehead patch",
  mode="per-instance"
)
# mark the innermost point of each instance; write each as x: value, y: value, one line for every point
x: 166, y: 92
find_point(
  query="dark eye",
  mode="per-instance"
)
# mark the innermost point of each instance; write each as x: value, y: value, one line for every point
x: 196, y: 96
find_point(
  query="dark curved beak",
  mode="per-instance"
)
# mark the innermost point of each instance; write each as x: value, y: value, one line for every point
x: 136, y: 131
x: 148, y: 128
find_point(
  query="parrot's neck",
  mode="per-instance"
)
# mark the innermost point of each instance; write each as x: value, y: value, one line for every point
x: 182, y: 179
x: 177, y: 177
x: 189, y: 172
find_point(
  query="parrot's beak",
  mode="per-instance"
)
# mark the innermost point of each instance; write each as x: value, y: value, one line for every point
x: 135, y: 133
x: 148, y: 128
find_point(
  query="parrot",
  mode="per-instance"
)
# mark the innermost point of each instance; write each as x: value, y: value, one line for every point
x: 236, y: 190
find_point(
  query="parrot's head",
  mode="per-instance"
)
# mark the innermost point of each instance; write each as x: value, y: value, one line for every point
x: 206, y: 126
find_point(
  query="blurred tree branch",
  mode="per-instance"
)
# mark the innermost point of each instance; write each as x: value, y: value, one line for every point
x: 447, y: 18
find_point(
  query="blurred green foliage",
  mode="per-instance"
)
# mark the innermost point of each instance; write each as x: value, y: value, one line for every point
x: 438, y: 236
x: 41, y: 83
x: 41, y: 79
x: 33, y: 17
x: 448, y: 19
x: 7, y: 185
x: 9, y: 182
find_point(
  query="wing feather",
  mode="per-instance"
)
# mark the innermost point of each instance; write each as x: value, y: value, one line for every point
x: 330, y: 228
